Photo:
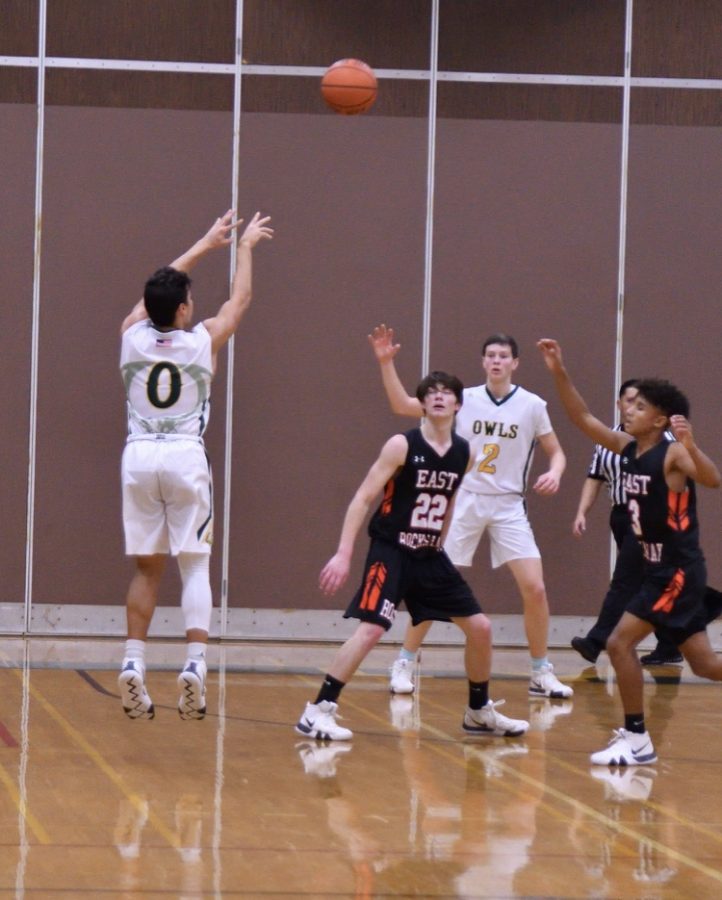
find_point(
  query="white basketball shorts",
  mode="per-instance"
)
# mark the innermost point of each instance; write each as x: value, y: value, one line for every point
x: 167, y: 497
x: 502, y: 516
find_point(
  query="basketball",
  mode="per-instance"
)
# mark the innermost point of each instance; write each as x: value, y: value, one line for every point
x: 349, y: 86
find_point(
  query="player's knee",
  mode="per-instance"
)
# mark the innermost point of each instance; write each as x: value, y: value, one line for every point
x: 369, y: 634
x: 479, y: 630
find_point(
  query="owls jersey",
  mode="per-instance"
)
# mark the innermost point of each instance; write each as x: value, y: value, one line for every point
x: 167, y: 377
x: 664, y: 521
x: 502, y: 435
x: 416, y: 499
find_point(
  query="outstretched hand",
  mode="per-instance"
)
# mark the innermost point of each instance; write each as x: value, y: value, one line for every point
x: 552, y: 354
x: 256, y: 230
x: 382, y: 343
x: 220, y: 234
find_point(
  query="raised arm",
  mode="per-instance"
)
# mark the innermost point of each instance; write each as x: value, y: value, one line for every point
x: 228, y: 318
x: 392, y: 456
x: 402, y: 403
x: 218, y: 235
x: 575, y: 405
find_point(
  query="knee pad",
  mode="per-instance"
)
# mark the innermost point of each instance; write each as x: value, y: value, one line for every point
x: 196, y: 597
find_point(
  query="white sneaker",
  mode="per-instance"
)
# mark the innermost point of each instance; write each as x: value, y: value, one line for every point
x: 320, y: 759
x: 627, y: 783
x: 401, y: 681
x: 543, y: 712
x: 544, y: 683
x: 131, y: 681
x: 488, y: 721
x: 319, y: 721
x: 626, y: 749
x: 192, y: 685
x: 404, y: 713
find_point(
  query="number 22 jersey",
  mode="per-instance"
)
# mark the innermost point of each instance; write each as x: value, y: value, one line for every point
x: 416, y: 499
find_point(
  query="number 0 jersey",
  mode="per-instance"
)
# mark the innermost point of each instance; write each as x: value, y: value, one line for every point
x: 167, y: 377
x: 416, y: 499
x: 503, y: 435
x: 664, y: 521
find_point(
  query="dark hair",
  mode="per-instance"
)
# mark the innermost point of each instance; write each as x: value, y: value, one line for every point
x: 667, y: 398
x: 164, y: 292
x: 501, y: 338
x: 629, y: 383
x: 445, y: 380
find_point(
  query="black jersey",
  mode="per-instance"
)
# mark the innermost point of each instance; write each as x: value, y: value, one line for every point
x: 416, y: 499
x: 664, y: 521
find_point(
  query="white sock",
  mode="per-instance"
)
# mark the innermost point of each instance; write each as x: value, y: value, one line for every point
x: 135, y: 649
x: 197, y: 650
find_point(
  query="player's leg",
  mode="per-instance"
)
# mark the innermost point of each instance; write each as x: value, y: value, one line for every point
x: 666, y: 652
x: 465, y: 531
x: 140, y: 604
x: 701, y: 656
x: 196, y: 605
x: 482, y: 715
x: 318, y: 719
x: 631, y: 745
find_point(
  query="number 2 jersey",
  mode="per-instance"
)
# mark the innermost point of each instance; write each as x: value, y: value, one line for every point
x: 416, y: 498
x: 167, y: 377
x: 664, y: 521
x: 503, y: 435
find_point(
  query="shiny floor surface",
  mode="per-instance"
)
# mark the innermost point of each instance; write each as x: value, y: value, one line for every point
x: 239, y: 805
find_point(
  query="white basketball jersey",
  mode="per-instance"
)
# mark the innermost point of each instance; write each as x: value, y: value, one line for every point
x: 167, y: 377
x: 503, y: 435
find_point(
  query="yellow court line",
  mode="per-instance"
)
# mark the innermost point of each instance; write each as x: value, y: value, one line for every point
x: 104, y: 766
x: 590, y: 812
x: 35, y: 826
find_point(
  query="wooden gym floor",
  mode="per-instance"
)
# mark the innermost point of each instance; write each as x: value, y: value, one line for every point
x: 239, y: 805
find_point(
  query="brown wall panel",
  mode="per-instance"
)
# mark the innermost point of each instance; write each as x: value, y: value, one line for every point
x: 18, y: 84
x: 672, y: 315
x: 652, y: 106
x: 677, y: 39
x: 19, y: 31
x: 17, y: 163
x: 385, y: 33
x: 116, y: 208
x: 172, y: 30
x: 145, y: 90
x: 534, y: 36
x: 347, y: 199
x: 526, y: 242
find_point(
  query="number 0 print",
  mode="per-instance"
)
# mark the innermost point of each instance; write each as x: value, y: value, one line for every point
x: 491, y: 451
x: 174, y: 388
x: 429, y: 511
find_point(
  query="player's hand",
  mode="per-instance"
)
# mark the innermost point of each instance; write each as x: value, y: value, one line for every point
x: 382, y: 343
x: 334, y: 574
x: 546, y: 484
x: 552, y: 353
x: 221, y: 231
x: 682, y: 430
x: 256, y: 230
x: 580, y: 525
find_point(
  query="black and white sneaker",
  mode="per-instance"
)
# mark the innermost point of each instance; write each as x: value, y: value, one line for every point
x: 131, y: 681
x: 488, y: 721
x: 192, y: 685
x: 626, y: 748
x: 319, y: 721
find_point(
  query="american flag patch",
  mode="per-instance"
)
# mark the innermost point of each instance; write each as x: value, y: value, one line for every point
x: 164, y: 342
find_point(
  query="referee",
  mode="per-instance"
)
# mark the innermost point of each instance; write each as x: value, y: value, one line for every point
x: 605, y: 468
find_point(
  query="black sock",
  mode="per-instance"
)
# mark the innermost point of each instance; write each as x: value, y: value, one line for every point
x: 330, y: 689
x: 478, y: 694
x: 635, y: 723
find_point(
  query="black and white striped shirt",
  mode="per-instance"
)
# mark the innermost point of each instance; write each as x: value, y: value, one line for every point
x: 606, y: 466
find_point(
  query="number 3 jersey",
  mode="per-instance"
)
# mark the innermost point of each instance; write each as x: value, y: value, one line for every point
x: 416, y: 499
x: 664, y: 521
x: 167, y: 377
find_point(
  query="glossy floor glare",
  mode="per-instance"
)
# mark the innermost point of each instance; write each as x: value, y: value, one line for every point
x: 239, y: 805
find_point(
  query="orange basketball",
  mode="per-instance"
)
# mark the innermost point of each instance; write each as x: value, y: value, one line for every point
x: 349, y: 86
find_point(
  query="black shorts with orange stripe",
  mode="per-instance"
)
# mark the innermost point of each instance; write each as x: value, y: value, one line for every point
x: 673, y: 599
x: 427, y: 582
